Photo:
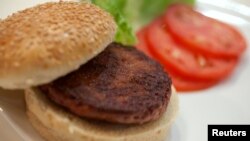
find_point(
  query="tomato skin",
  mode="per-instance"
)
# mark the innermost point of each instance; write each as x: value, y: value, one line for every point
x: 186, y: 85
x: 183, y: 62
x: 141, y: 44
x: 202, y: 34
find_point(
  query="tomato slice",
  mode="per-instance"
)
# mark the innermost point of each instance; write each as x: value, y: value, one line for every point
x: 184, y: 62
x: 203, y: 34
x: 184, y: 85
x: 181, y: 84
x: 141, y: 44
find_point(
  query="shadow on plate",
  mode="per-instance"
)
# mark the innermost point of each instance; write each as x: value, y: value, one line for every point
x: 13, y: 113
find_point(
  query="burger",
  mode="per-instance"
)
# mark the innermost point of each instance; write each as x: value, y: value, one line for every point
x: 79, y: 84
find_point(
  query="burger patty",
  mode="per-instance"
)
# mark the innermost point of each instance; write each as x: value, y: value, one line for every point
x: 120, y: 85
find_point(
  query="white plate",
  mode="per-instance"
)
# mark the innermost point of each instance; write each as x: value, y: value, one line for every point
x: 226, y: 103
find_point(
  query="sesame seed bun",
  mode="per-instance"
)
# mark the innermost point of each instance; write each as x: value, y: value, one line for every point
x: 42, y: 43
x: 55, y: 124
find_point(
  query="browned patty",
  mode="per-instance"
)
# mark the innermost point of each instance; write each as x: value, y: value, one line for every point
x: 120, y: 85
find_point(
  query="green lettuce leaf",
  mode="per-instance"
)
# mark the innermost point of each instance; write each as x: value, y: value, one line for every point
x: 141, y: 12
x: 131, y: 15
x: 125, y: 34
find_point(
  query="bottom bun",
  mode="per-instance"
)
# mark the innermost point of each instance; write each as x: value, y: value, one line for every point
x: 55, y: 124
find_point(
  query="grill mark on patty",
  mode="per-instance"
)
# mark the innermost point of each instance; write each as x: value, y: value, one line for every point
x: 120, y: 85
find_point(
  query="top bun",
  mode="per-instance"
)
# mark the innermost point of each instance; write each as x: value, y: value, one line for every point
x: 40, y: 44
